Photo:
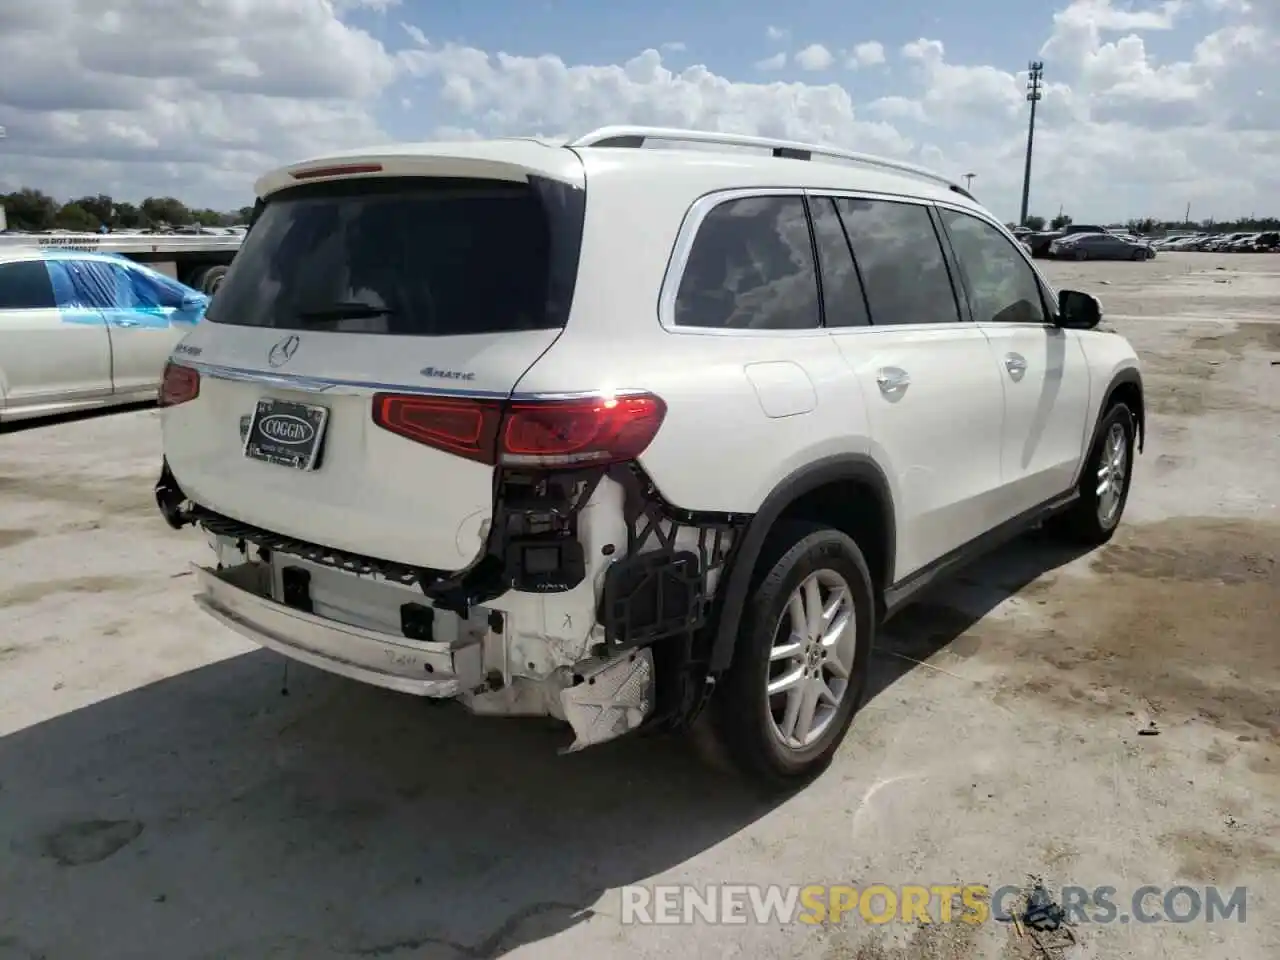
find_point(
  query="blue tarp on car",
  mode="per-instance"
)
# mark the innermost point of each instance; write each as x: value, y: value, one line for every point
x: 116, y: 285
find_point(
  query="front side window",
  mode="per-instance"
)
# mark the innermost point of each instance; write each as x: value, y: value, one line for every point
x: 25, y: 285
x: 1002, y: 286
x: 900, y: 258
x: 751, y: 268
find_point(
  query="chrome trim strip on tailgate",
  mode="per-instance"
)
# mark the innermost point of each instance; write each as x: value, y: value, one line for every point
x: 422, y: 669
x: 287, y: 381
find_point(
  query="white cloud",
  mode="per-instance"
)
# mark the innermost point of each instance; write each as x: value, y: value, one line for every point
x: 899, y: 108
x: 1077, y: 28
x: 867, y: 54
x: 777, y: 33
x: 416, y: 34
x: 215, y: 99
x: 147, y: 97
x: 814, y: 57
x: 378, y: 6
x: 674, y: 46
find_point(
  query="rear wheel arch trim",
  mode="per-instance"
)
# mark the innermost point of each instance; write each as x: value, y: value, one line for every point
x: 736, y: 584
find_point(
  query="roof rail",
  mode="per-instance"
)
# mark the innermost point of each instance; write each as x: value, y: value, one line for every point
x: 635, y: 136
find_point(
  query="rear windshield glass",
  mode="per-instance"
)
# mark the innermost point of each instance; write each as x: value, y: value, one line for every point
x: 408, y: 256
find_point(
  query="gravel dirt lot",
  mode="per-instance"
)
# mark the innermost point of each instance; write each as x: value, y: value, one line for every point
x: 159, y: 797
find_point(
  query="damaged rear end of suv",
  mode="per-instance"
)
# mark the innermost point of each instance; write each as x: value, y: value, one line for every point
x: 389, y: 495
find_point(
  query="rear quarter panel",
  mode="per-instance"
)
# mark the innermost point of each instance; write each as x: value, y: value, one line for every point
x: 717, y: 449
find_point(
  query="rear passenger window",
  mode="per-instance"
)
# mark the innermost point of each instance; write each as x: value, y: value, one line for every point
x: 901, y: 262
x: 25, y: 285
x: 751, y: 268
x: 842, y: 299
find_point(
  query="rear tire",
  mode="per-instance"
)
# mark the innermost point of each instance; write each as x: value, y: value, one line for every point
x: 210, y: 280
x: 817, y: 577
x: 1104, y: 483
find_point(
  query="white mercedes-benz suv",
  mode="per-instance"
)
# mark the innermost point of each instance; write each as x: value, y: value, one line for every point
x: 627, y: 433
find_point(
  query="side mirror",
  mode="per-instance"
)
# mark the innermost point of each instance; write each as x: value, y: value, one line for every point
x: 1078, y: 311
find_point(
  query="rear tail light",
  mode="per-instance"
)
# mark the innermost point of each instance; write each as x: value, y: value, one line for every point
x: 178, y: 385
x: 468, y: 428
x: 542, y: 433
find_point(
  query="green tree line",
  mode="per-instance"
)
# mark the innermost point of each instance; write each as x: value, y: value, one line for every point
x: 29, y: 209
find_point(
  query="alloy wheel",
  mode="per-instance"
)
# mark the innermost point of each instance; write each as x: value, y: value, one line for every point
x: 1112, y: 469
x: 811, y: 660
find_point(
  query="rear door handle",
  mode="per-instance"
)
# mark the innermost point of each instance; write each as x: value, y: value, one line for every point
x: 124, y: 322
x: 1016, y: 364
x: 892, y: 380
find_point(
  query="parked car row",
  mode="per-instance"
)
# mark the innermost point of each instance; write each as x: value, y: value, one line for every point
x: 82, y: 331
x: 1070, y: 243
x: 1265, y: 242
x: 1100, y: 246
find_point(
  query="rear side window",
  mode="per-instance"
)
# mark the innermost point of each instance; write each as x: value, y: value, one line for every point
x: 900, y: 258
x: 751, y: 268
x: 408, y: 256
x: 25, y: 285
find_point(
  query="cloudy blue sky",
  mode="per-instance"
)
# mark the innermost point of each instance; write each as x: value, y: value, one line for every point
x: 1149, y: 104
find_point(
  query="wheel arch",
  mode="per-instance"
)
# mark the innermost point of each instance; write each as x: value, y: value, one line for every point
x: 1125, y: 387
x: 829, y: 489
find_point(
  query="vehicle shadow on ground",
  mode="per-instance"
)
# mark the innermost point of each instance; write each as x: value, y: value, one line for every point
x: 208, y: 815
x: 35, y: 423
x: 951, y: 607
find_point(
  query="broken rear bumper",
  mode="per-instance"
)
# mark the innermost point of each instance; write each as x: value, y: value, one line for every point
x: 235, y: 596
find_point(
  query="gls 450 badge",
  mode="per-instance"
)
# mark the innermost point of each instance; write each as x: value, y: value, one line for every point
x: 283, y: 428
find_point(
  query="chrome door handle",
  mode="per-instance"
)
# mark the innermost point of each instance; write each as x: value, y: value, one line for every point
x: 125, y: 322
x: 1016, y: 364
x: 892, y: 380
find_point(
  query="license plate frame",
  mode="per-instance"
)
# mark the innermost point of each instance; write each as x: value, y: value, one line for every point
x: 306, y: 423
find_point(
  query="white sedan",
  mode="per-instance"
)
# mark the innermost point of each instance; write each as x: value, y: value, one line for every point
x: 80, y: 331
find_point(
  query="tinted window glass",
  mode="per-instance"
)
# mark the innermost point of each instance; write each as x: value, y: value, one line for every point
x: 1002, y: 287
x: 751, y: 268
x: 408, y: 256
x: 842, y: 299
x: 901, y: 262
x: 25, y: 286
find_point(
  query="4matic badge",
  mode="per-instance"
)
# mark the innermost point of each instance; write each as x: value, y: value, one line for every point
x: 436, y: 373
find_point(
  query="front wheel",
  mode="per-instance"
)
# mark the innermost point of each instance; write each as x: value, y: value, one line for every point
x: 800, y: 668
x: 1104, y: 483
x: 1082, y: 255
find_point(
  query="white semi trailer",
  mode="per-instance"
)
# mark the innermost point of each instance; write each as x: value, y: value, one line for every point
x: 199, y: 260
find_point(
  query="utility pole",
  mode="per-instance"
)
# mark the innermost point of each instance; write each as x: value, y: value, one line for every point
x: 1034, y: 95
x: 968, y: 181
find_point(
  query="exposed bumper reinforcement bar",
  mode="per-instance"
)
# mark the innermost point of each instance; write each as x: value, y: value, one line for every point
x: 422, y: 669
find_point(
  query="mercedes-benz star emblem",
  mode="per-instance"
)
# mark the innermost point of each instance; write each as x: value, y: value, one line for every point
x: 283, y: 351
